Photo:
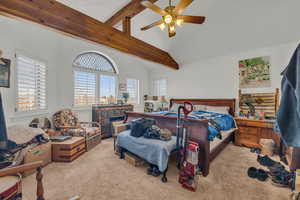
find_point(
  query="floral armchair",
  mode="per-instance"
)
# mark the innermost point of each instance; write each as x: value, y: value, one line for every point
x: 67, y: 122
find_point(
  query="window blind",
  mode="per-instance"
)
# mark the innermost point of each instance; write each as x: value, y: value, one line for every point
x: 160, y: 87
x: 31, y: 84
x: 133, y: 90
x: 84, y: 88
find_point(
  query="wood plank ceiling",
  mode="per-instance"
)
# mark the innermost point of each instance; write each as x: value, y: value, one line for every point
x: 65, y: 19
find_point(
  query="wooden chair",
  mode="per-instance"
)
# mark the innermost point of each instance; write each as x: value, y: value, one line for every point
x: 22, y: 168
x: 67, y: 122
x: 39, y: 176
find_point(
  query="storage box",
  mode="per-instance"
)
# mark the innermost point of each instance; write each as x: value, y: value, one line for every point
x: 267, y: 147
x: 134, y: 160
x: 39, y: 153
x: 93, y: 141
x: 68, y: 150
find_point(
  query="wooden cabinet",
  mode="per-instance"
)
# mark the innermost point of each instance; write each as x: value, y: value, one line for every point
x: 105, y: 114
x: 251, y: 131
x: 68, y: 150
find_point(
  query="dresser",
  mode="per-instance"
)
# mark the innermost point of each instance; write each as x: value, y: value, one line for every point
x: 251, y: 131
x: 106, y: 114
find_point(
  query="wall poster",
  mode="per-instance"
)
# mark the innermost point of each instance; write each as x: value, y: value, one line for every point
x: 255, y: 72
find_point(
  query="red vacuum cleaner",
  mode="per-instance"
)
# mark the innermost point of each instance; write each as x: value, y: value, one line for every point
x: 188, y: 152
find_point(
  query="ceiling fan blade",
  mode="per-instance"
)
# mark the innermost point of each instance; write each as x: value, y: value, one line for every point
x: 152, y: 25
x: 153, y: 7
x: 192, y: 19
x: 182, y: 5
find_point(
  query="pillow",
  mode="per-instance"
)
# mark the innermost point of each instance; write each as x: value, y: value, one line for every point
x: 200, y: 107
x: 22, y: 134
x: 218, y: 109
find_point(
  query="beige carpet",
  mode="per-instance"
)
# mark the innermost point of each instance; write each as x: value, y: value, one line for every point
x: 100, y: 175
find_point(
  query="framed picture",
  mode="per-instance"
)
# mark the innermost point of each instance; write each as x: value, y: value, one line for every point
x: 255, y: 72
x: 4, y: 72
x: 122, y: 87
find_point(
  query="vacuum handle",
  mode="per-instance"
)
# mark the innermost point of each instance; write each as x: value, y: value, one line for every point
x: 188, y: 108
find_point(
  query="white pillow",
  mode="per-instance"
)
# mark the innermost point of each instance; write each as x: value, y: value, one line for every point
x: 218, y: 109
x: 200, y: 107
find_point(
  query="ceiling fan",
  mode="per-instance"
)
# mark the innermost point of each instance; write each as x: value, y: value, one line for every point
x: 171, y: 16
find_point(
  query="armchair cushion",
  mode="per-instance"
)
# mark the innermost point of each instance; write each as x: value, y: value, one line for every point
x: 68, y: 123
x: 65, y: 117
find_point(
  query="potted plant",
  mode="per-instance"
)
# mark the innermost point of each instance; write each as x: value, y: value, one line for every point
x: 125, y: 96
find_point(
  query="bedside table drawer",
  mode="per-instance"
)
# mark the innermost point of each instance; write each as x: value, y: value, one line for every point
x: 249, y: 130
x: 246, y: 140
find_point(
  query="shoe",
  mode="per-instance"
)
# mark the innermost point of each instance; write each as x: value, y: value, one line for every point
x: 275, y: 170
x: 259, y: 174
x: 156, y: 172
x: 149, y: 170
x: 268, y: 162
x: 283, y: 179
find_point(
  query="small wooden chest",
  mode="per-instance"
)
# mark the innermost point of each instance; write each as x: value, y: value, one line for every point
x: 134, y: 160
x: 68, y: 150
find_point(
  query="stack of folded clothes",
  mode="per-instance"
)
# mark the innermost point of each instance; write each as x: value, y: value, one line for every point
x: 277, y: 172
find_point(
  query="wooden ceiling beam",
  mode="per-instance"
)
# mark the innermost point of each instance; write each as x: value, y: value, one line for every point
x: 127, y: 25
x: 60, y: 17
x: 130, y: 10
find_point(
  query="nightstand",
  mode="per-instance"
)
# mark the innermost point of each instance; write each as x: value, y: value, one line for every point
x: 251, y: 131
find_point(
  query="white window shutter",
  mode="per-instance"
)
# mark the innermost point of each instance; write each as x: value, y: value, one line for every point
x: 133, y: 90
x: 84, y: 88
x: 31, y: 84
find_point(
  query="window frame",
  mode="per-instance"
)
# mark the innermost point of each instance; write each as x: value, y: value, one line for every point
x: 138, y: 98
x: 35, y: 111
x: 98, y: 73
x: 155, y: 93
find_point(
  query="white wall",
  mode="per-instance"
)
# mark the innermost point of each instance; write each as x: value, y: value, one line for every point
x: 218, y: 77
x: 58, y: 51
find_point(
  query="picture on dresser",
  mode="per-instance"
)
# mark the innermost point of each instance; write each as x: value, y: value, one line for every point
x: 255, y: 72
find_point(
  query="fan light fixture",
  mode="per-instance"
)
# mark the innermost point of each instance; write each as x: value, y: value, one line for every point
x: 179, y: 22
x: 168, y: 19
x: 162, y: 26
x: 171, y: 16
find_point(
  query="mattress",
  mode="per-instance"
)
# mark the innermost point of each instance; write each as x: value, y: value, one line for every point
x: 225, y: 134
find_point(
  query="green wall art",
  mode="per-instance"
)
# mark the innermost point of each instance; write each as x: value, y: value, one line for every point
x: 255, y: 72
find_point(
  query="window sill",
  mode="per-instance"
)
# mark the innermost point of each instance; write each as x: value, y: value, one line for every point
x: 82, y: 108
x: 18, y: 115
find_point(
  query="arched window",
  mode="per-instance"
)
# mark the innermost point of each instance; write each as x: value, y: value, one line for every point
x: 95, y: 79
x: 94, y: 61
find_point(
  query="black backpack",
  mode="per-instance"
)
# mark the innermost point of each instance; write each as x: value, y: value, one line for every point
x: 140, y: 126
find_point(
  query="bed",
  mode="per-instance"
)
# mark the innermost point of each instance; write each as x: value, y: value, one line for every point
x: 197, y: 128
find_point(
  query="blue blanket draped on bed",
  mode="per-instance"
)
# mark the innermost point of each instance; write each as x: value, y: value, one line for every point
x: 225, y: 121
x: 154, y: 151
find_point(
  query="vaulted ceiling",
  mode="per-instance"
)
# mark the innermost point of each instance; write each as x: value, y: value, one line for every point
x: 232, y: 25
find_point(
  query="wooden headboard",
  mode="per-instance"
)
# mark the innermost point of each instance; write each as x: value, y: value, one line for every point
x: 266, y: 102
x: 208, y: 102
